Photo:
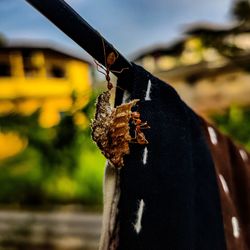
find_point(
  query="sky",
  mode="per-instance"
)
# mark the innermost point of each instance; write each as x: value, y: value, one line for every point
x: 130, y: 25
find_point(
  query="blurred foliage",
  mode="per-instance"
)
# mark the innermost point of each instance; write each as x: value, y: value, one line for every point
x: 241, y: 11
x: 2, y: 40
x: 235, y: 123
x: 218, y: 39
x: 61, y: 164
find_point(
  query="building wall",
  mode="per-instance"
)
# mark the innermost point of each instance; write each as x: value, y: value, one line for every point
x: 41, y: 82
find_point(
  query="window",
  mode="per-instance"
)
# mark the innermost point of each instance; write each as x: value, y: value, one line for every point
x: 30, y: 69
x: 5, y: 69
x: 57, y: 72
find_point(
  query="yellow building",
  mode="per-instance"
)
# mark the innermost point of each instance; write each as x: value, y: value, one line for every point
x: 42, y: 78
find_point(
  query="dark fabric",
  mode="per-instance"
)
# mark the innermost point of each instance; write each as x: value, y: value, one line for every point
x: 178, y: 182
x: 233, y: 173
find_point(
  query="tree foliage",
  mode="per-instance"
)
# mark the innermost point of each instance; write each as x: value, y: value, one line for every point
x: 2, y: 40
x: 61, y: 164
x: 241, y: 11
x: 235, y: 123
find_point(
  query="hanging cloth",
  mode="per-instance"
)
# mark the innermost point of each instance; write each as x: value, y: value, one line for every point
x: 188, y: 189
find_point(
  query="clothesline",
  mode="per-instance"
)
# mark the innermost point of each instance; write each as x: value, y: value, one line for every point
x: 74, y: 26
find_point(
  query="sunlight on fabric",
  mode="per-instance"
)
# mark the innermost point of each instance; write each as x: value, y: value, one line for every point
x: 212, y: 135
x: 236, y: 228
x: 243, y: 155
x: 145, y: 156
x: 224, y: 184
x: 137, y: 225
x: 147, y: 97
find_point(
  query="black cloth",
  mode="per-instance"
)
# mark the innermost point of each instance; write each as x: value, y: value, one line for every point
x: 177, y: 184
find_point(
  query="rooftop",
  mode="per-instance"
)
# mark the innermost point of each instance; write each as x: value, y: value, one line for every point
x: 44, y: 46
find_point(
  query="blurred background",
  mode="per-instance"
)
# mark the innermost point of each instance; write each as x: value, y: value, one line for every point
x: 50, y: 171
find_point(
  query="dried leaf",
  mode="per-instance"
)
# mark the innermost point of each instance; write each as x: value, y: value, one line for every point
x: 110, y: 129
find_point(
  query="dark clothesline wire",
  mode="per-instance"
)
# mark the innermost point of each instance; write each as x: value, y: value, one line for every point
x: 74, y: 26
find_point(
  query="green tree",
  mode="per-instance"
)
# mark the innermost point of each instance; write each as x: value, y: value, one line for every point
x: 2, y: 40
x: 60, y: 165
x: 241, y: 12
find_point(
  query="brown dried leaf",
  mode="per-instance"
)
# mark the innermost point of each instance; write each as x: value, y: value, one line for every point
x: 119, y: 132
x: 110, y: 128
